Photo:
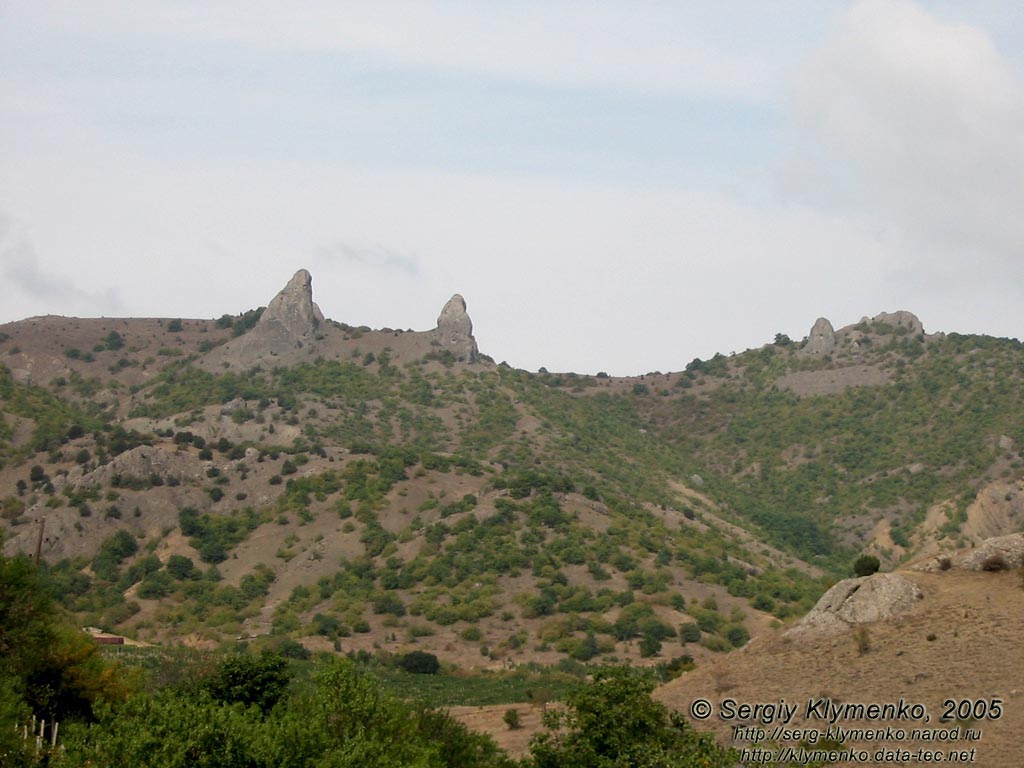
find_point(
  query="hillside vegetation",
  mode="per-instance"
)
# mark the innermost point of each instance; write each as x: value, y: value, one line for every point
x: 385, y: 495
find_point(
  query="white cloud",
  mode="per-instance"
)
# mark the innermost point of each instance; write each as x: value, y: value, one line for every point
x: 376, y: 257
x: 919, y: 123
x: 30, y: 286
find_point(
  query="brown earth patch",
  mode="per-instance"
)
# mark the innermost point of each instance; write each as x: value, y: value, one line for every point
x: 962, y: 641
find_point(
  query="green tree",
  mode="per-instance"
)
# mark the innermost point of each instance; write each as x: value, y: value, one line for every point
x: 165, y: 730
x: 114, y: 341
x: 420, y: 662
x: 260, y: 680
x: 865, y: 565
x: 612, y: 722
x: 46, y: 668
x: 181, y: 567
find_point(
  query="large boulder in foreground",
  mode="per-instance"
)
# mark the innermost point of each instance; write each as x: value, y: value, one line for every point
x: 852, y: 602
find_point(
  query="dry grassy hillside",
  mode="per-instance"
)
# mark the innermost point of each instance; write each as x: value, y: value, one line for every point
x: 964, y: 640
x: 279, y: 477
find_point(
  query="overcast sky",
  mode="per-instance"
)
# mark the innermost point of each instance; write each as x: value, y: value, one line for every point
x: 618, y: 186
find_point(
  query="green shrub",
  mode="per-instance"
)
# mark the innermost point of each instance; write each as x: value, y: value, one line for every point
x: 249, y: 679
x: 420, y: 663
x: 865, y: 565
x: 511, y: 719
x: 737, y: 635
x: 612, y: 721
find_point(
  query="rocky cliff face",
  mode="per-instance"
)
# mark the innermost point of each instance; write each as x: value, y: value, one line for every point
x: 454, y: 330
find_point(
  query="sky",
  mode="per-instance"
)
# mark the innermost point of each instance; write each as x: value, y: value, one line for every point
x: 612, y: 186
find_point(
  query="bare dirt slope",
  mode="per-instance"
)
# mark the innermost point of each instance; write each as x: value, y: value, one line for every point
x: 963, y: 640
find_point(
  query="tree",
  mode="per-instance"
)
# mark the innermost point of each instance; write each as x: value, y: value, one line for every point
x: 181, y: 567
x: 689, y: 632
x: 114, y: 341
x: 344, y: 720
x: 420, y: 662
x: 259, y: 680
x: 865, y: 565
x: 46, y: 668
x: 649, y: 646
x: 612, y: 722
x: 26, y: 616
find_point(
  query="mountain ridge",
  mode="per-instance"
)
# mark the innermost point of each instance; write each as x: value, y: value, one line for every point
x: 381, y: 489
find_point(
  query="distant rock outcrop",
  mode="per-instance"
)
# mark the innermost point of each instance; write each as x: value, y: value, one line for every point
x: 822, y: 339
x: 292, y: 318
x: 286, y: 332
x: 899, y: 319
x: 1001, y: 553
x: 859, y: 601
x: 454, y: 330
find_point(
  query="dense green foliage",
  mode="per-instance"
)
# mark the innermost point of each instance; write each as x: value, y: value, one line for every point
x: 865, y: 565
x: 612, y: 722
x: 46, y: 668
x: 444, y: 484
x: 794, y: 465
x: 601, y: 500
x: 344, y: 720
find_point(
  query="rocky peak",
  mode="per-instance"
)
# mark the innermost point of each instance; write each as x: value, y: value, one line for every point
x: 286, y: 332
x: 292, y: 315
x: 455, y: 330
x: 822, y: 338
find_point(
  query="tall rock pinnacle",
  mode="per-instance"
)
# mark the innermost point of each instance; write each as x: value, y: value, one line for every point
x: 286, y: 333
x: 455, y: 330
x: 292, y: 318
x: 822, y: 339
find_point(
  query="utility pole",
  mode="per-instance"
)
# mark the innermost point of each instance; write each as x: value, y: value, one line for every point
x: 39, y: 541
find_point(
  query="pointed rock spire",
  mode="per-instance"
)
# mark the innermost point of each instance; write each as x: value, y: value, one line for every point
x: 455, y: 330
x: 291, y: 316
x: 285, y: 334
